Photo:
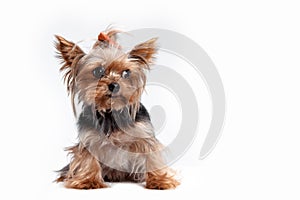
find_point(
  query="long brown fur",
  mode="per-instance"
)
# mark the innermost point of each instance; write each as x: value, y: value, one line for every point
x: 131, y: 154
x: 84, y: 170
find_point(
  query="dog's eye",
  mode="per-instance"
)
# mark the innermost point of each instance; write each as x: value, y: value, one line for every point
x: 98, y: 72
x: 126, y: 73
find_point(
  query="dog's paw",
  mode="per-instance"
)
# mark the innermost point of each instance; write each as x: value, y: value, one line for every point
x: 86, y: 185
x: 162, y: 184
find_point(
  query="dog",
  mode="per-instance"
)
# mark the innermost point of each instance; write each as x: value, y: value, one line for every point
x: 116, y: 138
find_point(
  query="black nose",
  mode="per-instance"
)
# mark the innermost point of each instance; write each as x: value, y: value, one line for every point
x: 114, y: 87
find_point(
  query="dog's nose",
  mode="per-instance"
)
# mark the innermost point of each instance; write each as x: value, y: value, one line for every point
x: 114, y: 87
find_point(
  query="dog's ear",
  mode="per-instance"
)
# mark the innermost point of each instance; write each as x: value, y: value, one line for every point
x: 67, y: 51
x: 70, y: 54
x: 144, y: 52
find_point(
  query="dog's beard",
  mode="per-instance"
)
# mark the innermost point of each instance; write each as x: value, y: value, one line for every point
x: 106, y: 100
x: 111, y: 102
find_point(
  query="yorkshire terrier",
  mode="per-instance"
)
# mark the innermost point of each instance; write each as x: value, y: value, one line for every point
x: 116, y: 138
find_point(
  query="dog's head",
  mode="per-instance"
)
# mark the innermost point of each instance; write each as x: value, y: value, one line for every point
x: 106, y: 77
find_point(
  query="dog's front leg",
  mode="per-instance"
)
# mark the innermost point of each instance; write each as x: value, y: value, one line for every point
x: 83, y: 172
x: 158, y: 175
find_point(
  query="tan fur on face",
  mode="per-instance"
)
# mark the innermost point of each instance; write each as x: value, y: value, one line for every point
x: 93, y: 91
x: 78, y: 68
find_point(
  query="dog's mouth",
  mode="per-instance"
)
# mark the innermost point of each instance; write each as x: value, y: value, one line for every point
x: 112, y: 96
x: 111, y: 102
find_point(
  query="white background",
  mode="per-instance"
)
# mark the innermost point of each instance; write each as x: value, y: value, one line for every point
x: 255, y: 46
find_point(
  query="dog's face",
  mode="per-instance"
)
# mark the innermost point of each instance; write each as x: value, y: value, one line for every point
x: 106, y: 77
x: 109, y: 79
